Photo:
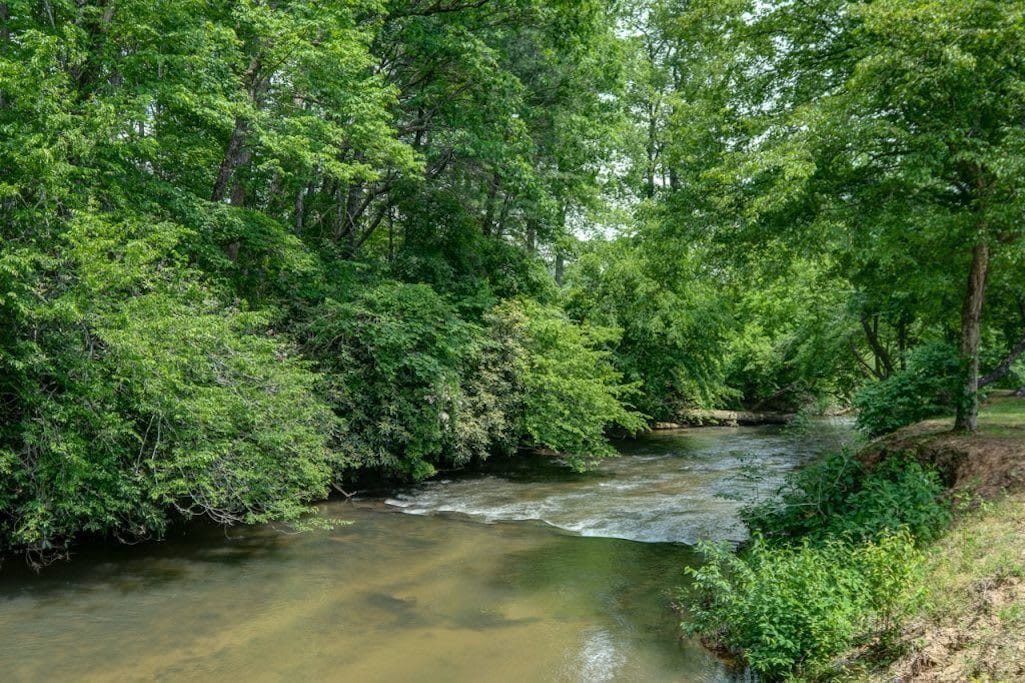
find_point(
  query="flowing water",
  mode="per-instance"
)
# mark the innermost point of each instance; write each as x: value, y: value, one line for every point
x: 526, y: 573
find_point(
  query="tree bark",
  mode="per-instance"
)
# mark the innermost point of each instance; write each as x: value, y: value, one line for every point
x: 489, y: 212
x: 531, y: 237
x: 1004, y: 367
x: 652, y: 150
x: 971, y: 319
x: 232, y: 157
x: 884, y: 364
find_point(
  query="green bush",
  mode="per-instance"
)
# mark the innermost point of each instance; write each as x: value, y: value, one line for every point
x: 839, y: 496
x: 791, y: 609
x: 394, y: 358
x: 572, y: 394
x: 833, y: 563
x: 139, y: 397
x: 927, y: 388
x: 416, y: 386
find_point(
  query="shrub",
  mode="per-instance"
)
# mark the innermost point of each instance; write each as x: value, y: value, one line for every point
x: 839, y: 496
x: 417, y: 386
x: 572, y: 394
x: 140, y: 397
x: 394, y: 356
x: 793, y: 608
x: 927, y: 388
x: 833, y: 562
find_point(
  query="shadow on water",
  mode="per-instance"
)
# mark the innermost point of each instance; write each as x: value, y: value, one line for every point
x: 146, y: 565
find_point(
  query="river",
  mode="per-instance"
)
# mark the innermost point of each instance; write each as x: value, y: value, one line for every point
x: 524, y: 572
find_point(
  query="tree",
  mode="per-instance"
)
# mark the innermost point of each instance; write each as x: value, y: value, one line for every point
x: 889, y: 136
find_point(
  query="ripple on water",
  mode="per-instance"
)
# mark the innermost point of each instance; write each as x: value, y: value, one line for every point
x: 600, y: 659
x: 676, y: 488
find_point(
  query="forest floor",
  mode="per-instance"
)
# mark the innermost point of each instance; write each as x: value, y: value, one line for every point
x: 973, y: 625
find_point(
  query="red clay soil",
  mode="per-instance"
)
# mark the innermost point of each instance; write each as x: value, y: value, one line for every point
x: 985, y: 464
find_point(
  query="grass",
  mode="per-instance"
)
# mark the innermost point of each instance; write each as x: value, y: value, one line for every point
x: 1003, y: 416
x: 972, y: 627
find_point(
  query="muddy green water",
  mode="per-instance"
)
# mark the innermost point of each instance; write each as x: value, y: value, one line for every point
x: 521, y: 574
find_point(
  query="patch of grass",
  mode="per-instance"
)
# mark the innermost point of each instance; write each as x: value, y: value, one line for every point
x: 973, y: 624
x: 988, y: 545
x: 1003, y: 416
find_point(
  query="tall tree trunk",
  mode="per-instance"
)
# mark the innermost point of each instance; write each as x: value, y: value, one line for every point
x: 531, y: 236
x: 235, y: 154
x: 883, y: 362
x: 353, y: 211
x: 232, y: 158
x: 971, y: 318
x: 652, y: 151
x: 489, y: 206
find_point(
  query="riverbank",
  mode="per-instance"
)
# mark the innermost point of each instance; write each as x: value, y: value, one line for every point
x: 912, y: 548
x: 972, y: 625
x: 983, y: 465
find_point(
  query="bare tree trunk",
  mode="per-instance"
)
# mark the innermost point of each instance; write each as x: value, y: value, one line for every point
x: 971, y: 319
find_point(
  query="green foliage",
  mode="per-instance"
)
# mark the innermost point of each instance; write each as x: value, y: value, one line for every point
x: 186, y: 186
x: 139, y: 397
x: 789, y: 610
x: 840, y: 497
x: 444, y: 248
x: 418, y: 387
x: 673, y: 326
x: 789, y: 349
x: 877, y: 142
x: 572, y: 395
x: 795, y: 191
x: 834, y: 563
x: 394, y: 356
x: 927, y: 387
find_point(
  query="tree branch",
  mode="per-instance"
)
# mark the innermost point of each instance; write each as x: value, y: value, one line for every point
x: 1005, y: 365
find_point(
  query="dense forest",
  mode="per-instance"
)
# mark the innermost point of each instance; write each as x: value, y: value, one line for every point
x: 253, y: 251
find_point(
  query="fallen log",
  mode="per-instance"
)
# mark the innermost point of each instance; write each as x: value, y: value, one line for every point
x: 724, y: 418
